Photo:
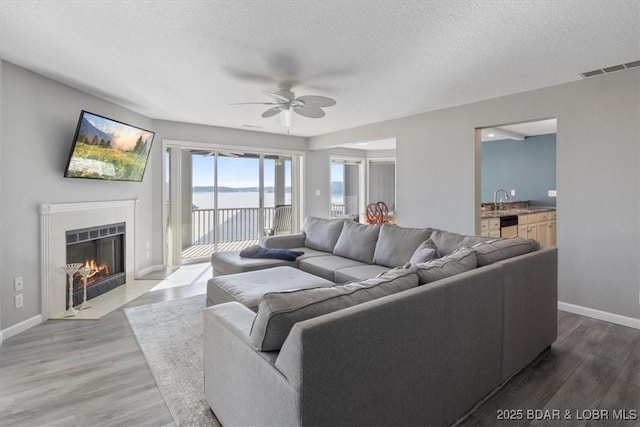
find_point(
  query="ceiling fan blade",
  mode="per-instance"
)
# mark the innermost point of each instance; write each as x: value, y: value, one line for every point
x: 256, y: 103
x: 312, y: 112
x: 275, y: 96
x: 227, y: 154
x: 317, y: 101
x: 271, y: 112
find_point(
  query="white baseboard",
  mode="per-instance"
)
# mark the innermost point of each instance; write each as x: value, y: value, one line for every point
x: 148, y: 270
x: 20, y: 327
x: 600, y: 315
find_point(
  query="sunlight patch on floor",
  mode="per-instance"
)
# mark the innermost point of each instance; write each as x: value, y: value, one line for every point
x: 185, y: 275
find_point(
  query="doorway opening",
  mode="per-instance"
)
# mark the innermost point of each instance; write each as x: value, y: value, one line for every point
x: 517, y: 195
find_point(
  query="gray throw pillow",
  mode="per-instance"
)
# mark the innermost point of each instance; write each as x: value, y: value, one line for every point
x: 464, y: 259
x: 499, y: 249
x: 357, y: 241
x: 447, y: 242
x: 321, y: 234
x: 425, y: 252
x: 397, y: 244
x: 279, y: 311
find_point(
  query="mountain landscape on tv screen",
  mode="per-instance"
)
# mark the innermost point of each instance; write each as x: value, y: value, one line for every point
x: 105, y: 149
x: 89, y: 134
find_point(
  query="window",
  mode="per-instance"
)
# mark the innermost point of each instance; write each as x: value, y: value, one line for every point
x: 346, y: 188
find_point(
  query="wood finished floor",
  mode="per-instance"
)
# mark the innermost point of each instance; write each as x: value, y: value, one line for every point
x: 84, y: 372
x: 92, y: 373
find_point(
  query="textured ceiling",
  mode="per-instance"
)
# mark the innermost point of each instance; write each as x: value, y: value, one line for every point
x: 186, y: 61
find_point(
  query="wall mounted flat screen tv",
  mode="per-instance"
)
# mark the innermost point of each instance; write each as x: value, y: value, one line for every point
x: 108, y: 149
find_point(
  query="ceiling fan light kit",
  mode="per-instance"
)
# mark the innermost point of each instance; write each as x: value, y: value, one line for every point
x: 285, y: 118
x: 285, y: 102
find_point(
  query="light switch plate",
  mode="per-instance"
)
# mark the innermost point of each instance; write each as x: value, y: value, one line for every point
x: 553, y: 193
x: 18, y: 284
x: 19, y: 301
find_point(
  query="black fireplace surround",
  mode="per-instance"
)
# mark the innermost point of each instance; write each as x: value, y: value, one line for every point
x: 102, y: 249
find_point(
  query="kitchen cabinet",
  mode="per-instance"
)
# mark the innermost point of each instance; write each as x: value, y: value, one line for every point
x: 540, y: 227
x: 528, y: 226
x: 490, y: 227
x: 542, y: 233
x: 552, y: 233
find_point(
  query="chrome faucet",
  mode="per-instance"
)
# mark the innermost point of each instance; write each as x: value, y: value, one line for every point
x: 495, y: 199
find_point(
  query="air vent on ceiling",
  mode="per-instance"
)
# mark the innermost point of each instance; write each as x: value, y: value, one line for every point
x: 611, y: 69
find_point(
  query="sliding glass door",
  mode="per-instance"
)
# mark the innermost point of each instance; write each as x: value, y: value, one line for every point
x: 229, y: 199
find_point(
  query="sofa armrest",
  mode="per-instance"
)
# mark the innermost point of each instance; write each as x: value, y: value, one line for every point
x: 419, y: 357
x: 234, y: 316
x: 286, y: 241
x: 237, y: 378
x: 530, y: 307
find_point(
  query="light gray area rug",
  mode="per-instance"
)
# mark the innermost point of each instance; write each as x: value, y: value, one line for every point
x: 170, y: 336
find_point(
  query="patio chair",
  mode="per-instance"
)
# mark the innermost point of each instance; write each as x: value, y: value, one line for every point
x: 281, y: 221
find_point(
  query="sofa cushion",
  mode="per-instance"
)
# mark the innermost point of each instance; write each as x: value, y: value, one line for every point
x: 360, y: 272
x: 309, y: 253
x: 464, y: 259
x: 499, y: 249
x: 321, y: 233
x: 357, y: 241
x: 447, y: 242
x: 425, y: 252
x: 247, y: 288
x: 279, y: 311
x: 325, y: 266
x: 396, y: 244
x: 230, y: 262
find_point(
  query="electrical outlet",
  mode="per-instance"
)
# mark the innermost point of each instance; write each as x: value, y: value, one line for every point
x: 513, y: 192
x: 553, y: 193
x: 18, y: 284
x: 317, y: 192
x: 19, y: 300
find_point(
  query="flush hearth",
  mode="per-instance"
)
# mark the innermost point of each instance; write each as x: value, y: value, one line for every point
x: 102, y: 250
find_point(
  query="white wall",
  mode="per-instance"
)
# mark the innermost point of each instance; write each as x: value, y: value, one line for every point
x: 1, y: 202
x: 598, y: 178
x: 39, y: 121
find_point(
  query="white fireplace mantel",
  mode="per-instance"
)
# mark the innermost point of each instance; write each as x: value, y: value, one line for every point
x: 55, y: 220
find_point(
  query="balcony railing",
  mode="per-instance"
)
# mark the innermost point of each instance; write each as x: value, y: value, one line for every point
x: 230, y: 225
x: 337, y: 210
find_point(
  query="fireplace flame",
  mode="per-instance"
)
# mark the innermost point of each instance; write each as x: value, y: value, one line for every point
x: 94, y: 269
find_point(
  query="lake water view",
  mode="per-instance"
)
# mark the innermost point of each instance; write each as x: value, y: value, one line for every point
x: 244, y: 199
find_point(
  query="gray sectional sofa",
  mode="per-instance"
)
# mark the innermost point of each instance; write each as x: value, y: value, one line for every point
x: 423, y: 324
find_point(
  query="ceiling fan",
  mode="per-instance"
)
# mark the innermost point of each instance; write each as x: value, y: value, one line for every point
x: 285, y: 102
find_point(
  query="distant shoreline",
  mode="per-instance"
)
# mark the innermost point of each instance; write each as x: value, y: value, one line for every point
x: 209, y: 189
x: 336, y: 188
